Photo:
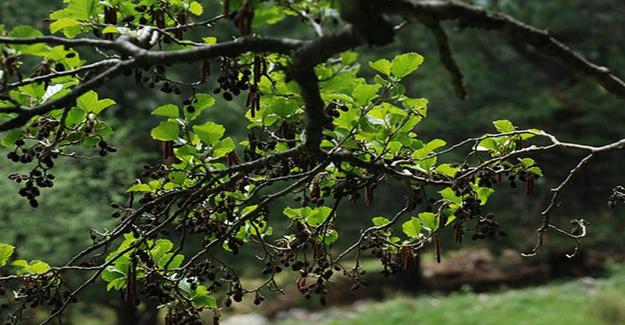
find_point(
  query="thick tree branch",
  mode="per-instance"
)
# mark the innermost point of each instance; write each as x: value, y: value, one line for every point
x: 472, y: 16
x: 25, y: 114
x: 84, y: 68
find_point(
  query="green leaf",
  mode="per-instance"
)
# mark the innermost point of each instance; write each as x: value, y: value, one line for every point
x: 140, y: 188
x: 200, y: 103
x: 406, y: 64
x: 24, y: 32
x: 77, y: 9
x: 284, y: 107
x: 313, y: 217
x: 161, y: 247
x: 488, y: 144
x: 210, y: 40
x: 380, y: 221
x: 89, y: 102
x: 383, y: 65
x: 363, y: 94
x: 535, y: 170
x: 349, y: 57
x: 412, y: 227
x: 483, y: 193
x: 209, y: 132
x: 75, y: 116
x: 111, y: 273
x: 174, y: 262
x: 11, y: 137
x: 169, y: 110
x: 34, y: 267
x: 203, y: 299
x: 435, y: 144
x: 267, y: 14
x: 528, y: 162
x: 223, y: 147
x: 196, y: 8
x: 165, y: 131
x: 318, y: 216
x: 447, y: 170
x: 6, y: 251
x: 20, y: 263
x: 62, y: 24
x: 331, y: 236
x: 291, y: 213
x: 110, y: 30
x: 503, y: 126
x: 428, y: 220
x: 449, y: 195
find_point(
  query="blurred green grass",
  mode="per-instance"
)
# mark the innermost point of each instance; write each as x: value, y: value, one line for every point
x: 583, y: 301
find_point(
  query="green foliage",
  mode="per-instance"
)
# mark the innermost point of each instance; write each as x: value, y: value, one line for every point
x: 217, y: 188
x: 6, y: 251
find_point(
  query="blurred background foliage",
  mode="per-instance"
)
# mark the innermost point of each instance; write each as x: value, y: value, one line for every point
x: 505, y: 81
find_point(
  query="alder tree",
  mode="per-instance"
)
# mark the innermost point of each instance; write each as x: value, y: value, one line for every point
x: 318, y: 134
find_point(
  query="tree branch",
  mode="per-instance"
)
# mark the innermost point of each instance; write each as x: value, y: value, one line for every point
x: 472, y: 16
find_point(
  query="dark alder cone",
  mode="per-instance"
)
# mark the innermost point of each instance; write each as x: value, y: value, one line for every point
x: 167, y: 152
x: 243, y: 19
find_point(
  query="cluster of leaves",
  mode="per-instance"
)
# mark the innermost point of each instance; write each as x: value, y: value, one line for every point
x: 215, y: 192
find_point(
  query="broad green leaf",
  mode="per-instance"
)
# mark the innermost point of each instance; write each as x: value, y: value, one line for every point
x: 488, y: 144
x: 428, y: 220
x: 406, y: 64
x: 62, y: 24
x: 196, y: 8
x: 412, y: 227
x: 363, y: 94
x: 209, y: 40
x: 174, y: 262
x: 291, y: 213
x: 111, y: 273
x: 223, y: 147
x: 165, y: 131
x: 20, y: 263
x: 331, y: 236
x: 535, y: 170
x: 383, y: 65
x: 11, y: 137
x: 161, y: 247
x: 447, y: 170
x: 267, y: 14
x: 75, y: 116
x: 318, y: 216
x: 200, y: 103
x: 435, y: 144
x: 449, y: 195
x: 89, y: 102
x: 483, y: 193
x: 201, y: 298
x: 24, y: 31
x: 284, y: 107
x: 34, y: 267
x: 110, y: 30
x: 380, y: 221
x: 527, y: 162
x: 349, y: 57
x: 169, y: 110
x: 209, y: 132
x: 6, y: 251
x: 140, y: 188
x: 504, y: 126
